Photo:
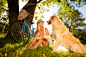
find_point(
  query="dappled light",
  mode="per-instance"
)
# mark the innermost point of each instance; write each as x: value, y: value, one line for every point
x: 18, y: 25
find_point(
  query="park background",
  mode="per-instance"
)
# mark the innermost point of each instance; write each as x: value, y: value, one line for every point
x: 71, y: 12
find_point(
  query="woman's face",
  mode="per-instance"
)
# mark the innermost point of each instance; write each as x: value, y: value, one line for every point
x: 41, y: 23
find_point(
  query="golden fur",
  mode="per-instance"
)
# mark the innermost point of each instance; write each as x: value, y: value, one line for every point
x: 63, y: 37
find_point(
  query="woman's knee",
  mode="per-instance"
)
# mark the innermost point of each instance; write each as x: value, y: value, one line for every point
x: 45, y: 43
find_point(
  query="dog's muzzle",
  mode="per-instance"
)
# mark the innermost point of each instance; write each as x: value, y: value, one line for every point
x: 48, y: 22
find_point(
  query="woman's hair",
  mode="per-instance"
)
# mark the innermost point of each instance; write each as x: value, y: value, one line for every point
x: 38, y: 29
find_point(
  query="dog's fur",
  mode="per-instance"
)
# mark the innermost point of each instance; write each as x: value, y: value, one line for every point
x: 63, y: 37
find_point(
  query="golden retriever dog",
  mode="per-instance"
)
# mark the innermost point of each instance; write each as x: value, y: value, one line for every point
x: 63, y: 37
x: 64, y: 40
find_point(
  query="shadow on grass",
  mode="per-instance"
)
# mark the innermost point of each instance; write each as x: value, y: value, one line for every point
x: 5, y: 40
x: 9, y: 46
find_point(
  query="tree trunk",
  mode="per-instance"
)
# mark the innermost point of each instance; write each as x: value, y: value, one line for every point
x: 30, y: 9
x: 13, y: 12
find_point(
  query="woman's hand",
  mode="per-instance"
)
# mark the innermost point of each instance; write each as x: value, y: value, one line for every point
x: 42, y: 37
x: 46, y: 31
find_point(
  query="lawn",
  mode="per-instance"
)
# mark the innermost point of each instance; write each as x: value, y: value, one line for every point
x: 9, y: 48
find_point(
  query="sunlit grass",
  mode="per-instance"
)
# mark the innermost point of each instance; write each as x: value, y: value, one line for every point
x: 85, y: 48
x: 19, y: 50
x: 2, y: 35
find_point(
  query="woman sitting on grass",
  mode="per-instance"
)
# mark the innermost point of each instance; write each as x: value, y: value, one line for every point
x: 39, y: 33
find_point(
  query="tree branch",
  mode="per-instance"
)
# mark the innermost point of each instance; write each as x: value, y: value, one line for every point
x: 39, y: 1
x: 30, y: 4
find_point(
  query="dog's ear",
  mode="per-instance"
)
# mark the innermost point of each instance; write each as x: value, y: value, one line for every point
x: 52, y: 17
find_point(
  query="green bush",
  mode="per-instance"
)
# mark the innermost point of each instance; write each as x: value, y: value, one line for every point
x: 80, y: 34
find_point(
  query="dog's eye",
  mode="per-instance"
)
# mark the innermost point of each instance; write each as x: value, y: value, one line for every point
x: 51, y: 18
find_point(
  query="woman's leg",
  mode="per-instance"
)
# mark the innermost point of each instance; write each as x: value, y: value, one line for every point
x: 34, y: 40
x: 40, y: 41
x: 37, y: 44
x: 45, y: 43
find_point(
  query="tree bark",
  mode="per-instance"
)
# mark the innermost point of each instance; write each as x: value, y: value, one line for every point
x: 30, y: 8
x: 13, y: 12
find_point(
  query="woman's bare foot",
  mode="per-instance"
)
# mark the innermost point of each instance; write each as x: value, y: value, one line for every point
x: 29, y: 46
x: 33, y: 48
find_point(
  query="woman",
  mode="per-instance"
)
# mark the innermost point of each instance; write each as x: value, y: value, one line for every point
x: 39, y: 33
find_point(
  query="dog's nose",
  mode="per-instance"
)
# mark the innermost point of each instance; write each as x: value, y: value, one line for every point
x: 47, y: 21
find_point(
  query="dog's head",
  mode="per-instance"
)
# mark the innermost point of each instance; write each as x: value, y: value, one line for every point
x: 52, y: 19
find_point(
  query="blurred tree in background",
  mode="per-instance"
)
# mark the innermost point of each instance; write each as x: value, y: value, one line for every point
x: 71, y: 17
x: 3, y: 6
x: 84, y: 30
x: 80, y: 34
x: 3, y: 18
x: 74, y: 22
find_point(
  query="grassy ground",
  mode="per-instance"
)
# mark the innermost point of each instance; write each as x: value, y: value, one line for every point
x: 3, y: 35
x: 9, y: 48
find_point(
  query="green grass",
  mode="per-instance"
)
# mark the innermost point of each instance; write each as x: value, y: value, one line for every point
x: 3, y: 35
x: 9, y: 48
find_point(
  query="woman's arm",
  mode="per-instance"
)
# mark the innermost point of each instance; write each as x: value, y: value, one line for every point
x: 46, y: 31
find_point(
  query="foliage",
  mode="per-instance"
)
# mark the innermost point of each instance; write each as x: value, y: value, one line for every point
x: 74, y: 22
x: 80, y: 34
x: 71, y: 17
x: 24, y: 0
x: 67, y: 6
x: 3, y: 6
x: 3, y: 28
x: 2, y: 35
x: 84, y: 30
x: 9, y: 48
x: 40, y: 9
x: 3, y: 17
